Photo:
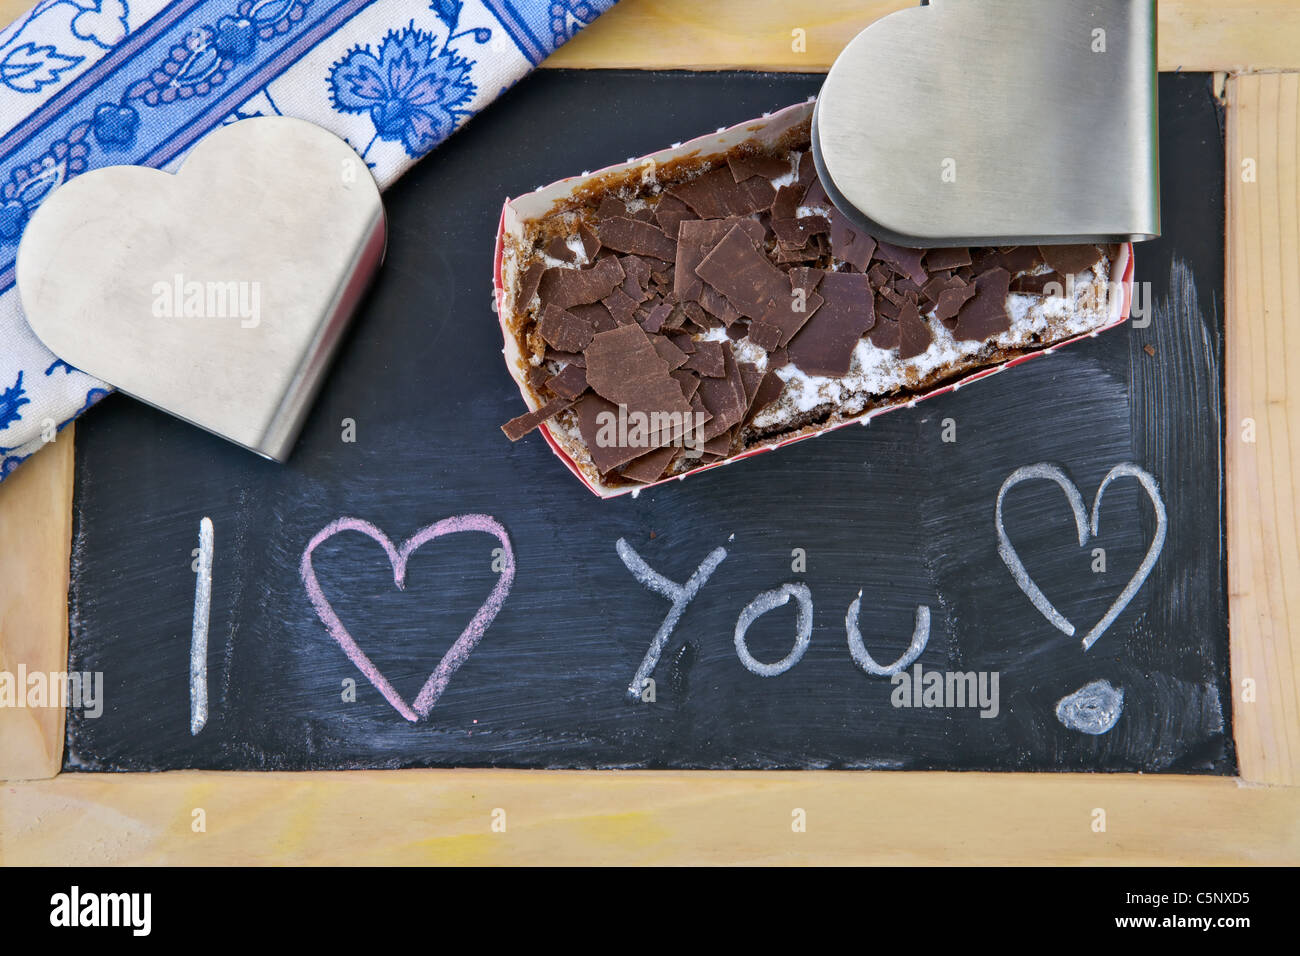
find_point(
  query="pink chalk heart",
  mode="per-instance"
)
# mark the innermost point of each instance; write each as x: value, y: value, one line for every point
x: 397, y: 557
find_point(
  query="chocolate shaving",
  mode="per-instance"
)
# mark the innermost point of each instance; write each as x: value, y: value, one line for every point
x: 563, y: 287
x: 611, y: 206
x: 723, y: 398
x: 654, y: 321
x: 717, y: 195
x: 1038, y: 284
x: 590, y: 244
x: 769, y: 390
x: 913, y: 331
x: 902, y: 260
x: 597, y: 314
x: 707, y: 359
x: 1070, y: 260
x: 985, y: 315
x: 951, y: 300
x: 649, y: 467
x: 564, y: 330
x: 746, y: 167
x: 939, y: 259
x: 884, y: 334
x: 743, y: 274
x: 569, y: 383
x: 696, y: 239
x: 670, y: 212
x: 517, y: 428
x: 824, y: 346
x: 558, y: 248
x: 786, y: 203
x: 638, y: 238
x: 795, y: 233
x: 528, y: 286
x: 621, y: 306
x: 849, y: 245
x: 670, y: 353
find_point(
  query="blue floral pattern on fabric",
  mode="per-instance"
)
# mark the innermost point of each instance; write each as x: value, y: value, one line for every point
x: 413, y: 90
x: 106, y: 82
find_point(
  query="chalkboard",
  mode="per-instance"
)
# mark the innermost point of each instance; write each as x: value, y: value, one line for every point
x: 889, y: 524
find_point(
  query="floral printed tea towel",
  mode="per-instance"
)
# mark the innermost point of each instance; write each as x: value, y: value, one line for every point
x: 89, y: 83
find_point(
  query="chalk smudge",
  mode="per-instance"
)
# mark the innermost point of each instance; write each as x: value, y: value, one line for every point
x: 1092, y: 709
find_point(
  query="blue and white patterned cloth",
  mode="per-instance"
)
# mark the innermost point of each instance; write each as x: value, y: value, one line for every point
x: 88, y: 83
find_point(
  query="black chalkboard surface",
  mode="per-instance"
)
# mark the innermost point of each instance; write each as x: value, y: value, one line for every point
x: 898, y: 512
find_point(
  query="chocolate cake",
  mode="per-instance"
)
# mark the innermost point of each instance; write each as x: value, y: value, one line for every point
x: 676, y: 315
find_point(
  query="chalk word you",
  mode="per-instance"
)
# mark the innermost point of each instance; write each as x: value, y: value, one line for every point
x: 681, y: 595
x: 398, y: 557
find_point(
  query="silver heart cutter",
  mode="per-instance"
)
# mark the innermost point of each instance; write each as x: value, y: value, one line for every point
x: 996, y: 122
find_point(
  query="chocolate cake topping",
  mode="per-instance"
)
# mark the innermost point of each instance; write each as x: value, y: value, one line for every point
x: 717, y: 195
x: 563, y: 287
x: 639, y: 238
x: 625, y: 333
x: 517, y: 428
x: 669, y: 212
x: 564, y: 330
x: 985, y: 315
x: 654, y: 321
x: 707, y: 359
x: 786, y: 203
x: 724, y: 397
x: 824, y: 346
x: 651, y: 466
x: 850, y: 246
x: 1038, y: 284
x: 595, y: 313
x: 745, y: 167
x: 569, y: 383
x: 621, y: 306
x: 528, y: 286
x: 558, y: 248
x: 795, y: 233
x: 940, y: 259
x: 1070, y: 259
x: 610, y: 206
x: 744, y: 275
x: 902, y: 260
x: 951, y: 300
x: 913, y: 332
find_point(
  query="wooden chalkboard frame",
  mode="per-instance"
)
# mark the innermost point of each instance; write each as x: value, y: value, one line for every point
x: 677, y: 817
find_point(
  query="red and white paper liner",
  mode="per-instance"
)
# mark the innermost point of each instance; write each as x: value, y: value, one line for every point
x: 518, y: 212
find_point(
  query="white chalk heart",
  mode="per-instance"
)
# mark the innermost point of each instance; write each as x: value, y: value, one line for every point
x: 1012, y: 560
x: 217, y: 294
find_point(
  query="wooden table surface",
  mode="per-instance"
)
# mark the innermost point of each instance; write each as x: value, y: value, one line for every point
x: 415, y: 816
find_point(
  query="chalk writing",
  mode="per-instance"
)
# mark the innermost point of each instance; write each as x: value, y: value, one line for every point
x: 199, y: 629
x: 1012, y: 560
x: 802, y: 627
x: 679, y: 594
x: 398, y: 557
x: 858, y: 647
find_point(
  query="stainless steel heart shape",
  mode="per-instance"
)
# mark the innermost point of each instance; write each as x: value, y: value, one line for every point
x: 1012, y: 560
x: 220, y: 293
